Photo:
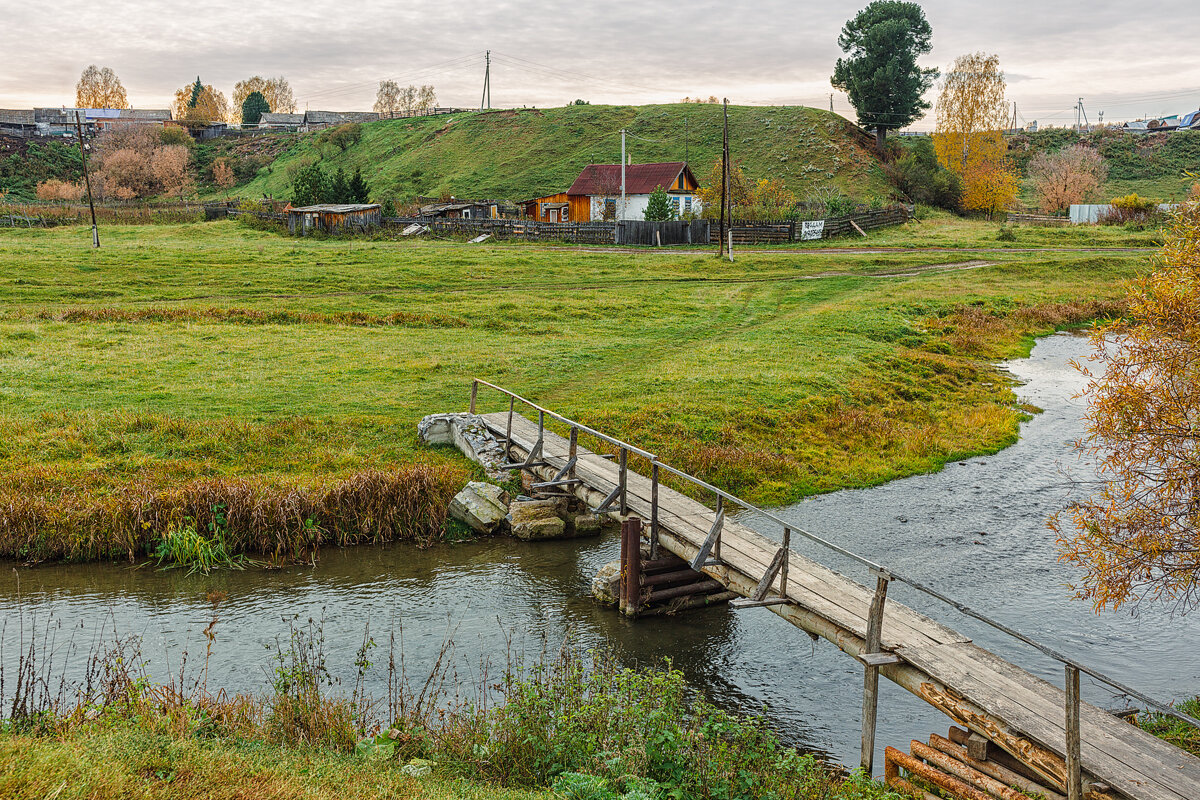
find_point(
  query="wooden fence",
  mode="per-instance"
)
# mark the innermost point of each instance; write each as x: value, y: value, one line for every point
x: 661, y: 234
x: 868, y: 220
x: 530, y: 230
x: 1038, y: 220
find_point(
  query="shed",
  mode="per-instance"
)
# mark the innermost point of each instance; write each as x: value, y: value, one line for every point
x: 333, y: 218
x: 455, y: 208
x: 551, y: 208
x: 280, y: 122
x: 17, y: 122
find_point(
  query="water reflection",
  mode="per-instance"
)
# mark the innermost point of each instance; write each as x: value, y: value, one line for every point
x: 976, y: 530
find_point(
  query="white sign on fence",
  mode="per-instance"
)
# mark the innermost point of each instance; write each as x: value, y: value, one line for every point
x: 812, y: 229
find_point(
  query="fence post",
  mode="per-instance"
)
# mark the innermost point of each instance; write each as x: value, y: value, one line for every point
x: 1074, y: 768
x: 871, y: 672
x: 631, y: 536
x: 474, y: 394
x: 512, y: 402
x: 572, y: 454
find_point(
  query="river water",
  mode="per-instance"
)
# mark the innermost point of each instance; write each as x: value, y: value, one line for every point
x: 976, y: 530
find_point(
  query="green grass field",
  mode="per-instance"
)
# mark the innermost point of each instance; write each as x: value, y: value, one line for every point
x: 214, y: 351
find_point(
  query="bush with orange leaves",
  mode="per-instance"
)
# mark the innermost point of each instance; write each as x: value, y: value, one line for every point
x: 1138, y: 537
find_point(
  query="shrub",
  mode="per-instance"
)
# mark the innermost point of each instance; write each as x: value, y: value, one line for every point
x: 341, y: 136
x: 658, y: 208
x: 1133, y: 211
x: 1006, y: 234
x: 918, y: 175
x: 1070, y: 175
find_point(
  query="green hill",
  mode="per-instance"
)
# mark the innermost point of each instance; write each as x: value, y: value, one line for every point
x: 525, y: 153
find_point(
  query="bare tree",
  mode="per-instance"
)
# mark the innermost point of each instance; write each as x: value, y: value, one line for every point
x: 426, y: 100
x: 170, y: 167
x: 387, y: 99
x: 1071, y: 175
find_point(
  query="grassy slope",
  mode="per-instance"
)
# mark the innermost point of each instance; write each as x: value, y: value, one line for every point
x: 521, y: 154
x: 760, y: 375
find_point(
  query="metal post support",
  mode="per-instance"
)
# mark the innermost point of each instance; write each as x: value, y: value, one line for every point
x: 654, y: 511
x: 631, y: 532
x: 474, y: 394
x: 623, y: 584
x: 1074, y: 767
x: 624, y: 462
x: 871, y: 672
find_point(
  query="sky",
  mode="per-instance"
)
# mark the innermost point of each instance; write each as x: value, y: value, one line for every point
x: 1124, y: 59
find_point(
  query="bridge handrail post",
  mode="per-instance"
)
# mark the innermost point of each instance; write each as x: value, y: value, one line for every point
x: 783, y: 568
x: 873, y: 644
x: 474, y: 393
x: 624, y: 462
x: 1074, y: 765
x: 512, y: 404
x: 716, y: 548
x: 572, y: 455
x: 653, y: 510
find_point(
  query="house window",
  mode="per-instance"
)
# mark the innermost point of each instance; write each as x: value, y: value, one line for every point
x: 675, y: 204
x: 610, y: 209
x: 466, y: 213
x: 687, y: 204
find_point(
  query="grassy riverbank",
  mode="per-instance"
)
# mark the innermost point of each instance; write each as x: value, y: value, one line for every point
x: 578, y: 724
x: 183, y: 367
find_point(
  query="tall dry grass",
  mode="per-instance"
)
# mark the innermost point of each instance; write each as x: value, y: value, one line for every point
x: 278, y: 519
x: 241, y: 316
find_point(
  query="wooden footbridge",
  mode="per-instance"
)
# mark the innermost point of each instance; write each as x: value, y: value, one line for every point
x: 1071, y: 747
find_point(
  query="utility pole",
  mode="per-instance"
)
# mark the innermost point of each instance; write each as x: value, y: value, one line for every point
x: 487, y: 82
x: 87, y: 181
x: 724, y: 182
x: 1013, y: 127
x: 621, y: 213
x: 831, y: 102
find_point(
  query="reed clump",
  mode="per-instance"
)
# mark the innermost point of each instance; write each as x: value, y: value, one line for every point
x: 981, y: 330
x: 280, y: 519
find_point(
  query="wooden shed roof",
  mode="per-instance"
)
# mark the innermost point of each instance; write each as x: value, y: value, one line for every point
x: 337, y: 208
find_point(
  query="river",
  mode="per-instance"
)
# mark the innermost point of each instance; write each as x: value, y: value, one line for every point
x: 976, y: 530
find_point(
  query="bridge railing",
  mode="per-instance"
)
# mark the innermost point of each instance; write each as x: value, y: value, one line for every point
x: 709, y: 555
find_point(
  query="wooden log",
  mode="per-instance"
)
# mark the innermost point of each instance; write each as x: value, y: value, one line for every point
x: 936, y: 777
x: 904, y: 787
x: 965, y: 772
x: 1001, y: 773
x: 689, y: 604
x: 666, y: 578
x: 668, y: 562
x: 702, y: 587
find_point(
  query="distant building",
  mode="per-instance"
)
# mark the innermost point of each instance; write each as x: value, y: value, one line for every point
x: 280, y: 122
x: 596, y: 193
x: 333, y: 218
x: 455, y: 208
x: 61, y: 121
x: 316, y: 120
x: 18, y: 122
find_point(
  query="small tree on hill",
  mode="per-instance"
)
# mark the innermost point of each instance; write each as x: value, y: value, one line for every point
x: 387, y: 99
x: 310, y: 186
x: 223, y: 176
x: 880, y: 73
x: 659, y: 208
x: 358, y: 190
x: 339, y: 188
x: 1138, y: 539
x: 253, y: 107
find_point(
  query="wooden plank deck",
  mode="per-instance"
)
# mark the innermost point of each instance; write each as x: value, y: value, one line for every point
x: 1132, y: 762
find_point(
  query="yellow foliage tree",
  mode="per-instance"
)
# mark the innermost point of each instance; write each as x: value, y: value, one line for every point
x: 1138, y: 538
x: 209, y: 105
x: 99, y: 87
x: 968, y: 140
x: 277, y: 91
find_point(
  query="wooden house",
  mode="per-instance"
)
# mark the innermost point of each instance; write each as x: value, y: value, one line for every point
x: 596, y: 193
x: 554, y: 208
x: 280, y: 122
x: 455, y: 208
x: 318, y: 120
x: 333, y: 218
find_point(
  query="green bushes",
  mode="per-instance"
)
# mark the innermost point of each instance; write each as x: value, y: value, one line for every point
x: 917, y: 174
x: 1133, y: 211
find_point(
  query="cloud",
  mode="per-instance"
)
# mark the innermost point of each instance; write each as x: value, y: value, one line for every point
x: 776, y: 51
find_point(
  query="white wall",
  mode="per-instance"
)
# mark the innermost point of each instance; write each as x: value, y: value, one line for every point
x: 635, y: 206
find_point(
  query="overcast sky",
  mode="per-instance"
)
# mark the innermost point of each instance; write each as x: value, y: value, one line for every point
x: 1125, y: 59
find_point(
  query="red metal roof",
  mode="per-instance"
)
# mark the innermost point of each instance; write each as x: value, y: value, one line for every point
x: 605, y: 179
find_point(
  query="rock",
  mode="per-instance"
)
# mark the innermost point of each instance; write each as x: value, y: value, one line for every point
x: 607, y: 583
x: 481, y: 506
x: 537, y: 519
x: 586, y: 524
x: 468, y: 433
